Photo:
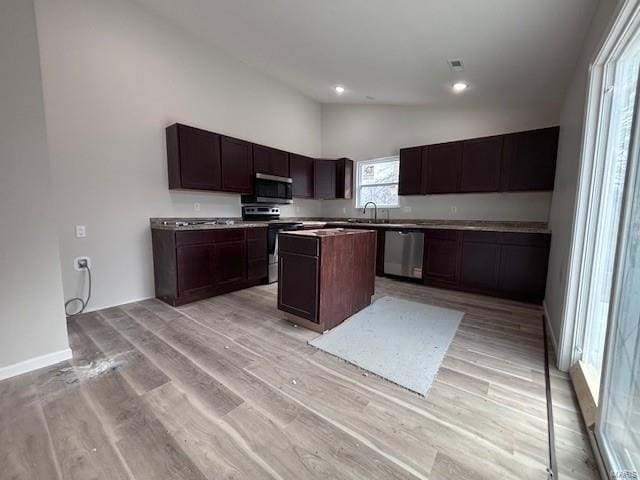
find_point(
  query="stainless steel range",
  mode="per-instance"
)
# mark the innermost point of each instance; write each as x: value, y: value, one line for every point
x: 271, y: 216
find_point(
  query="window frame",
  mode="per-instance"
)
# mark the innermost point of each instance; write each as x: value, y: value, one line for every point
x: 359, y: 185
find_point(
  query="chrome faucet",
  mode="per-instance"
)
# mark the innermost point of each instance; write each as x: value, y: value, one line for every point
x: 375, y: 211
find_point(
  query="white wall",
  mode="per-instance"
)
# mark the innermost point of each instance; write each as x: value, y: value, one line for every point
x: 563, y: 204
x: 114, y: 76
x: 32, y: 322
x: 364, y: 132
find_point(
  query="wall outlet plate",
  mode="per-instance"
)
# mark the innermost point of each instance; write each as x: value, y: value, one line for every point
x: 75, y: 263
x: 81, y: 231
x: 196, y: 207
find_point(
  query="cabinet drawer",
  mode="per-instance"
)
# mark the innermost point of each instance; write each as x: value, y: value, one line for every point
x: 530, y: 239
x: 481, y: 237
x: 442, y: 234
x: 301, y: 245
x: 195, y: 237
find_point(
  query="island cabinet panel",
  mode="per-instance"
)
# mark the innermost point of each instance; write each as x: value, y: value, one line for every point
x: 298, y: 282
x: 191, y: 265
x: 302, y: 170
x: 325, y: 277
x: 481, y: 163
x: 193, y: 157
x: 444, y: 163
x: 237, y: 165
x: 442, y: 249
x: 324, y: 179
x: 410, y: 177
x: 270, y: 161
x: 529, y: 160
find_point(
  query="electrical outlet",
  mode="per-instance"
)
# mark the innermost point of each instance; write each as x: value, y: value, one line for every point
x: 79, y: 262
x: 454, y: 209
x: 81, y: 231
x: 344, y: 210
x: 196, y: 207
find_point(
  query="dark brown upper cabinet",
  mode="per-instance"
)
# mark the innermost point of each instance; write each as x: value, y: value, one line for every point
x: 481, y: 162
x: 529, y: 160
x: 237, y: 165
x: 325, y: 179
x: 193, y: 158
x: 523, y: 161
x: 444, y: 163
x: 344, y: 178
x: 270, y: 161
x: 410, y: 179
x: 301, y: 170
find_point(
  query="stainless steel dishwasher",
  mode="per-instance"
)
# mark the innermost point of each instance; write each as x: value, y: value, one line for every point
x: 403, y: 253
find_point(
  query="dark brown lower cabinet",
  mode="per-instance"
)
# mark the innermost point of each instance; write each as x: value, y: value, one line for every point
x: 441, y: 257
x: 479, y: 269
x: 257, y: 254
x: 509, y: 265
x: 191, y: 265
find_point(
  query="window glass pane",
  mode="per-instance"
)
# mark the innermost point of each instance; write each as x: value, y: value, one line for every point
x: 621, y: 415
x: 379, y: 172
x: 615, y: 162
x: 383, y: 196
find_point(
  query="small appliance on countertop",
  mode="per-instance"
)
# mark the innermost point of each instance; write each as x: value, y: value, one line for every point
x: 271, y: 216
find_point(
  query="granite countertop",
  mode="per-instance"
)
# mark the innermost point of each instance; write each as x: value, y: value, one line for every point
x: 207, y: 224
x: 472, y: 225
x: 327, y: 232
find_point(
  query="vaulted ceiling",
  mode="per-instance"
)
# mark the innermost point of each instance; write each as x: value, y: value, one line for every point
x: 515, y: 52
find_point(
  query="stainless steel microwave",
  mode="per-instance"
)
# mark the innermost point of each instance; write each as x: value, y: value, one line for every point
x: 270, y: 189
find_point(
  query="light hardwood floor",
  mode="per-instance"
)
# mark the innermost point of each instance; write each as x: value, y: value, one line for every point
x: 225, y: 388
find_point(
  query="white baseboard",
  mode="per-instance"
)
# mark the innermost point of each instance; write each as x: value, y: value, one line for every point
x: 35, y: 363
x: 550, y: 331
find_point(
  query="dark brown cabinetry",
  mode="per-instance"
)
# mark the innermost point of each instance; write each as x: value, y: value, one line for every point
x: 302, y: 169
x: 193, y: 158
x: 523, y: 161
x: 481, y: 162
x: 443, y: 162
x: 344, y: 178
x: 256, y: 253
x: 480, y: 259
x: 325, y: 278
x: 512, y: 265
x: 441, y: 257
x: 410, y: 180
x: 237, y: 165
x: 270, y: 161
x: 191, y: 265
x: 529, y: 160
x: 325, y: 179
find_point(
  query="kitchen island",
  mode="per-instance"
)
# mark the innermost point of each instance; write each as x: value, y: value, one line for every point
x: 325, y: 276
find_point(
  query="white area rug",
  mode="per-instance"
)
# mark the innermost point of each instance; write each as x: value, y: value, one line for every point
x: 396, y: 339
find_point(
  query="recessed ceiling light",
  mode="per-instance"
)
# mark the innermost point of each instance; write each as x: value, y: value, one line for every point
x: 339, y: 89
x: 459, y: 87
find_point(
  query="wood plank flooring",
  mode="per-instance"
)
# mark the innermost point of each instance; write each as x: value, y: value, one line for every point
x: 227, y: 389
